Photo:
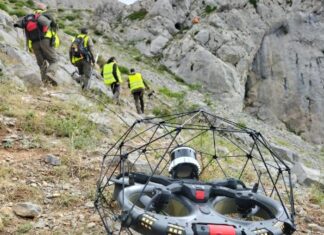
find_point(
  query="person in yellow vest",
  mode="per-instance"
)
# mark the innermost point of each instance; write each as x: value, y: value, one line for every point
x: 81, y: 56
x: 40, y: 30
x: 137, y: 85
x: 112, y: 77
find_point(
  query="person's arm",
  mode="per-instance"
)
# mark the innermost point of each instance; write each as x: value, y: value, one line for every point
x: 115, y: 72
x: 70, y: 54
x: 146, y: 85
x: 19, y: 24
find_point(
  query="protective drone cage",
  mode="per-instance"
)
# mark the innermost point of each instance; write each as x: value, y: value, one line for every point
x: 224, y: 150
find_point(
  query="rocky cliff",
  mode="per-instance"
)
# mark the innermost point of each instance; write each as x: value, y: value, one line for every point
x: 261, y: 56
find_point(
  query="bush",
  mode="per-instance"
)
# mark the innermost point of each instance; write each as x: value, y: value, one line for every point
x: 138, y: 15
x: 30, y: 3
x: 71, y: 17
x: 254, y: 3
x: 71, y: 32
x: 3, y: 6
x: 123, y: 69
x: 19, y: 4
x: 209, y: 9
x: 19, y: 12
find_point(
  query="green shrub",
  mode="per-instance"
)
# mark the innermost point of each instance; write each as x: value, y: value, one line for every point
x: 241, y: 124
x: 138, y: 15
x: 71, y: 17
x: 3, y: 6
x: 18, y: 12
x: 209, y: 9
x: 13, y: 1
x: 254, y: 3
x: 30, y: 3
x: 178, y: 95
x: 19, y: 4
x: 71, y: 32
x: 195, y: 86
x: 123, y: 69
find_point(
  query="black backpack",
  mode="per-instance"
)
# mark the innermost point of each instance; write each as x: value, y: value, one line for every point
x: 77, y: 48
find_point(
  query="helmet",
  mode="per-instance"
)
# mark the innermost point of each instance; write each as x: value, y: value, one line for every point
x: 184, y: 164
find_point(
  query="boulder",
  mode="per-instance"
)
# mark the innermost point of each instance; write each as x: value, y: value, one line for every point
x: 137, y: 162
x: 27, y: 210
x: 158, y: 44
x: 52, y: 160
x: 285, y: 154
x: 307, y: 175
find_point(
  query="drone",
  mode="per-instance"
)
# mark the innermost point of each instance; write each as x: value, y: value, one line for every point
x: 194, y: 173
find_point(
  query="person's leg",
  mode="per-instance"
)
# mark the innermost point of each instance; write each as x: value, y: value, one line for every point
x: 137, y: 101
x: 80, y: 71
x: 112, y: 86
x: 141, y: 97
x: 40, y: 59
x: 117, y: 93
x: 50, y: 56
x: 87, y: 74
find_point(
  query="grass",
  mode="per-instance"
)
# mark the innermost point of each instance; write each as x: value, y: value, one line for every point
x: 60, y: 119
x: 137, y: 15
x: 177, y: 95
x: 317, y: 195
x: 5, y: 172
x: 67, y: 200
x: 18, y: 193
x: 161, y: 111
x: 24, y: 228
x: 241, y: 124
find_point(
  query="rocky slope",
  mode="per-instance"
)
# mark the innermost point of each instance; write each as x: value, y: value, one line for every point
x: 52, y: 139
x: 261, y: 56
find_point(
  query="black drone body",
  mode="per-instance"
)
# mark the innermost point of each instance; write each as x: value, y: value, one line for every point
x: 196, y: 174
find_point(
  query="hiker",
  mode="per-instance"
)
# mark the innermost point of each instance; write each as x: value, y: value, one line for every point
x: 81, y: 56
x: 112, y: 76
x: 41, y: 38
x: 137, y: 85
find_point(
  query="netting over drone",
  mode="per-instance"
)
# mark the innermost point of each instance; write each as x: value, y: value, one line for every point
x: 230, y: 170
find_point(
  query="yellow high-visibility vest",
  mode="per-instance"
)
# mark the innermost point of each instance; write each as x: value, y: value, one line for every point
x: 85, y: 45
x: 136, y: 81
x: 108, y: 74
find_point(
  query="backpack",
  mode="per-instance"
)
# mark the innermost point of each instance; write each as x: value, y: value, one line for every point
x: 34, y: 30
x: 77, y: 48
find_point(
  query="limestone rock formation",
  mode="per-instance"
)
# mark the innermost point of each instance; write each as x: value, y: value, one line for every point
x: 265, y: 58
